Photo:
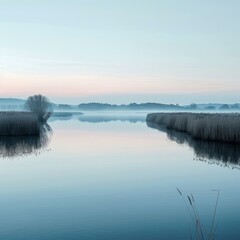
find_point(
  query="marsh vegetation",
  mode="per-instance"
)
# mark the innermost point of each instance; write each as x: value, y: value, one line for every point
x: 26, y: 123
x: 19, y: 124
x: 220, y: 127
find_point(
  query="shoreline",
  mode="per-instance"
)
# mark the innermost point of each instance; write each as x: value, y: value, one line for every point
x: 221, y: 127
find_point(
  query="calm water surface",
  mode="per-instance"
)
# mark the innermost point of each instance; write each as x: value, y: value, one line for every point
x: 115, y: 178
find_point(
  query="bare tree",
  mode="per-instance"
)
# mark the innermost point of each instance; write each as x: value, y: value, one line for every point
x: 40, y: 105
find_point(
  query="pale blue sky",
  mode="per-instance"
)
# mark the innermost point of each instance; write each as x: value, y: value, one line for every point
x: 121, y: 51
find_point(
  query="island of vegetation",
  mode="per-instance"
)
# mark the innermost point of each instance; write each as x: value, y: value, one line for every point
x: 222, y: 127
x: 28, y: 122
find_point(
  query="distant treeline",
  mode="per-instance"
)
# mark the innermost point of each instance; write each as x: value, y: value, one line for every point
x: 18, y: 105
x: 121, y: 107
x: 131, y: 106
x: 147, y: 106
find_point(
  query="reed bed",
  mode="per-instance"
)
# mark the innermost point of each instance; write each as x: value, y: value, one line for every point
x: 19, y: 124
x: 220, y: 127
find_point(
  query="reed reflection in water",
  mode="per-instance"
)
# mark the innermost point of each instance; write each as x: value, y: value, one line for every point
x: 223, y: 154
x: 19, y: 146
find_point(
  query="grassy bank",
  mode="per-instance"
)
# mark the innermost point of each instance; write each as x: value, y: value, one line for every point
x: 211, y: 127
x: 19, y: 124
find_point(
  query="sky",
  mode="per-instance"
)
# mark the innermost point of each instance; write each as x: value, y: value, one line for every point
x: 121, y: 51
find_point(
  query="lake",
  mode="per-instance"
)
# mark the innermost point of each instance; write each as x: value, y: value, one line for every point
x: 115, y: 177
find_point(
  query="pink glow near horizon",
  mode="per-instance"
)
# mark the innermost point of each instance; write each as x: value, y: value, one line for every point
x: 90, y: 85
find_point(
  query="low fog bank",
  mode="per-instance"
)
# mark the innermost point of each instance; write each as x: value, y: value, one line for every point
x: 100, y: 116
x: 14, y: 104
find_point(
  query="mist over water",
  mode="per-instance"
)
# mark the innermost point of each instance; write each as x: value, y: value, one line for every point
x: 134, y: 118
x: 113, y: 177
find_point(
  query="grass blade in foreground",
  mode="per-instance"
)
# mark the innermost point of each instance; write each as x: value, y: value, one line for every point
x: 190, y: 204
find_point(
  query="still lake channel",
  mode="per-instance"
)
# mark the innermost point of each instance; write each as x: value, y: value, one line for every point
x: 114, y: 177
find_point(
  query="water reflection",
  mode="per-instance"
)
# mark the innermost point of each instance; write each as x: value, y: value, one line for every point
x: 223, y: 154
x: 58, y: 118
x: 109, y: 117
x: 18, y: 146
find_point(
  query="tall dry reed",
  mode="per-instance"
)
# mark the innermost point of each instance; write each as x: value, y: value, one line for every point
x: 19, y: 124
x: 211, y: 127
